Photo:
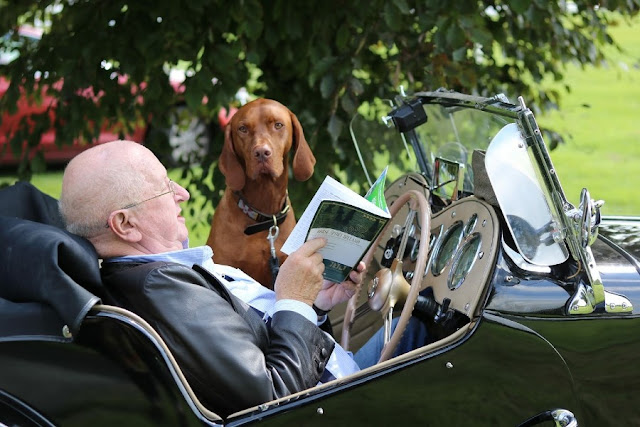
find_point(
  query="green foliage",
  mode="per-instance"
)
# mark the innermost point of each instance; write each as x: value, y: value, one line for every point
x: 321, y: 59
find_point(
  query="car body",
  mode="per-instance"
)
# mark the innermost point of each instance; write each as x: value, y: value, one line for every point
x: 532, y: 303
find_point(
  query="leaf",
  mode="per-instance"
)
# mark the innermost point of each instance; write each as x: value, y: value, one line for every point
x: 480, y: 35
x: 459, y: 54
x: 456, y: 36
x: 335, y: 127
x: 327, y: 86
x: 38, y: 165
x: 356, y: 86
x: 519, y: 6
x: 402, y: 6
x: 193, y: 97
x: 348, y: 104
x: 392, y: 17
x: 320, y: 68
x: 342, y: 37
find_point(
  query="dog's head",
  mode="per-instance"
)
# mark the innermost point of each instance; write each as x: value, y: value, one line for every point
x: 257, y: 141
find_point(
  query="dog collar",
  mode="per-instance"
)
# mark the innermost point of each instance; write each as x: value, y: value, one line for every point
x: 263, y: 221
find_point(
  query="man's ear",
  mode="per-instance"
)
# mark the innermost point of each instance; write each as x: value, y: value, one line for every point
x: 120, y: 223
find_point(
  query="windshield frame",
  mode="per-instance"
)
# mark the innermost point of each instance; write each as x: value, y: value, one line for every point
x: 409, y: 115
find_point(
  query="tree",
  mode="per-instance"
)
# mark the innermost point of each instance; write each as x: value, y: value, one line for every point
x: 321, y: 59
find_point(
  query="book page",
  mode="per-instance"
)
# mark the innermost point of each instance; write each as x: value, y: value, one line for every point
x: 329, y: 190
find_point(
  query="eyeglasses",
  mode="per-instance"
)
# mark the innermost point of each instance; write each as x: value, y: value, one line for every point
x: 171, y: 190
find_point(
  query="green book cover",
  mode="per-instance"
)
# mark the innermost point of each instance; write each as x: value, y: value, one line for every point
x: 376, y: 193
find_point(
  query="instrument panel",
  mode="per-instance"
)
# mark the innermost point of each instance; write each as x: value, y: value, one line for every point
x: 463, y: 245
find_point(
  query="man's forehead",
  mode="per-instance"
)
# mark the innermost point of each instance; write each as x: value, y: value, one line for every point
x: 155, y: 176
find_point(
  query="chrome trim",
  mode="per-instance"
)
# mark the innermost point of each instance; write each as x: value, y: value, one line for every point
x: 616, y: 303
x: 583, y: 301
x: 564, y: 418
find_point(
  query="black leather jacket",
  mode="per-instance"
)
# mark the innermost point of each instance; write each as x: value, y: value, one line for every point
x: 231, y: 358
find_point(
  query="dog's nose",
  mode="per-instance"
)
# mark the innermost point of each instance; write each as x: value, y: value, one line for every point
x: 262, y: 153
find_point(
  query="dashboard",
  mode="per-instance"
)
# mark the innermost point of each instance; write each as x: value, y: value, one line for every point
x: 464, y: 242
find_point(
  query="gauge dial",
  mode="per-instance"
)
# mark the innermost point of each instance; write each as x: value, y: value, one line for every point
x: 447, y: 248
x: 465, y: 258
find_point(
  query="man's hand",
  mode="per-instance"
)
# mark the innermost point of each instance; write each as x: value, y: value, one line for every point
x: 333, y: 293
x: 300, y: 276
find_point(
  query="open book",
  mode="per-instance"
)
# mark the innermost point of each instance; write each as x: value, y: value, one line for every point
x: 348, y: 221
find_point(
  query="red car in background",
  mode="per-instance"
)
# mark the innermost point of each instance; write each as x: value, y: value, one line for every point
x: 27, y: 107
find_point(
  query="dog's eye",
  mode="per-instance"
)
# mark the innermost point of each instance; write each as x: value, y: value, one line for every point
x: 242, y: 129
x: 278, y: 125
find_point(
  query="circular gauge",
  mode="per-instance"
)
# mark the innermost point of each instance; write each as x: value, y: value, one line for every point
x: 416, y: 243
x: 447, y: 247
x: 434, y: 242
x: 470, y: 225
x: 464, y: 261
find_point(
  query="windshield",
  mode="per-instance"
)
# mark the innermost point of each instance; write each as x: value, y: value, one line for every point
x: 379, y: 144
x: 464, y: 147
x: 450, y: 133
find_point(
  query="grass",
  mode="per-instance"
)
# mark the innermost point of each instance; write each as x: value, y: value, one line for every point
x: 597, y: 119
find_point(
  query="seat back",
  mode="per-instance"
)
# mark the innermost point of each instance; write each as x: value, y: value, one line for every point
x: 50, y: 278
x: 23, y: 200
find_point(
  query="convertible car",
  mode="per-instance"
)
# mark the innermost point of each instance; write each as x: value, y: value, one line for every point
x: 531, y: 302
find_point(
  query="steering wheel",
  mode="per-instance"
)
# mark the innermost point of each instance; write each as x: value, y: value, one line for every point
x: 389, y: 287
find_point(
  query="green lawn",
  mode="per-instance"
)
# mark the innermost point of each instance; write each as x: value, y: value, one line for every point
x: 598, y: 120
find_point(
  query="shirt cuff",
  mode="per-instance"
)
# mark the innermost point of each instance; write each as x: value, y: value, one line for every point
x: 298, y: 307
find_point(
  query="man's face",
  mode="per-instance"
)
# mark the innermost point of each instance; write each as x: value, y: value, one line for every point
x: 159, y: 221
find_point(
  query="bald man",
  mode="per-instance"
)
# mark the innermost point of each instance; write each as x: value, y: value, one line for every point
x: 119, y: 197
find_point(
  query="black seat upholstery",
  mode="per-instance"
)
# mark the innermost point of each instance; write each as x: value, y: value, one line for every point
x: 49, y: 278
x: 23, y: 200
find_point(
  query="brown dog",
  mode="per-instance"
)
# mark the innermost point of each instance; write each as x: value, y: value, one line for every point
x: 254, y: 162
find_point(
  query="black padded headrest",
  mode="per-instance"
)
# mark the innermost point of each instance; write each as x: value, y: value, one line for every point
x: 42, y: 265
x: 23, y: 200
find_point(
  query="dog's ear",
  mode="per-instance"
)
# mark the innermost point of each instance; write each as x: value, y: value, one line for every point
x: 229, y: 164
x: 303, y: 158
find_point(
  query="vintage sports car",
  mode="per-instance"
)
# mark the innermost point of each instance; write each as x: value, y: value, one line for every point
x: 531, y: 302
